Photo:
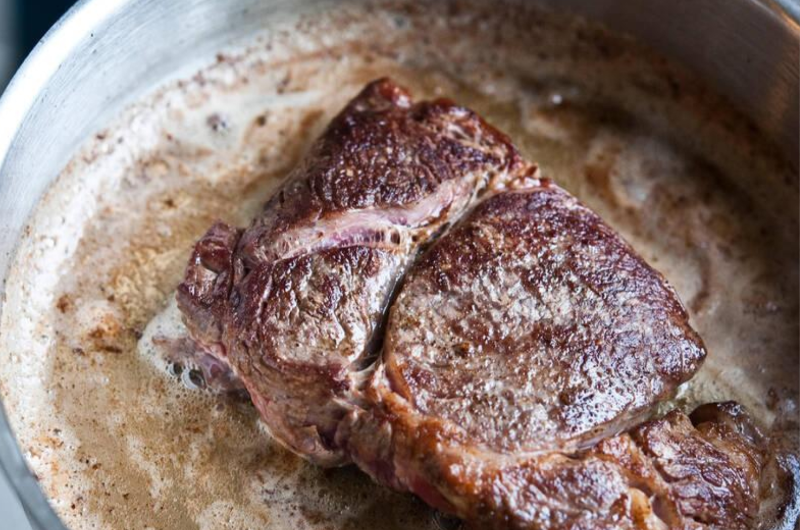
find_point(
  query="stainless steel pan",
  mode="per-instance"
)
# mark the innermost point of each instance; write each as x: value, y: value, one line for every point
x: 105, y: 53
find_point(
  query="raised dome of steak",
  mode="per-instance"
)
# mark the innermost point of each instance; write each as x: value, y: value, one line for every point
x: 532, y: 326
x: 521, y: 357
x: 294, y: 301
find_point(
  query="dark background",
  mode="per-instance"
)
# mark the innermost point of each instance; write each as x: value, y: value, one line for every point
x: 22, y: 24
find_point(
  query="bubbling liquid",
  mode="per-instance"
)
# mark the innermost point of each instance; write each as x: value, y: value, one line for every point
x: 118, y: 442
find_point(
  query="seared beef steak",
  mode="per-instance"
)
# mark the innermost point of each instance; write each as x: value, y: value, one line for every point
x: 533, y: 326
x: 524, y: 335
x: 519, y: 347
x: 293, y: 302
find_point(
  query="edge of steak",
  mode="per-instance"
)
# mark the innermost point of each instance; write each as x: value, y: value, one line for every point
x: 705, y: 470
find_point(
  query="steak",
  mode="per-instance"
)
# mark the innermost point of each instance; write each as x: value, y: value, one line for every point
x: 520, y: 345
x: 293, y: 302
x: 505, y: 372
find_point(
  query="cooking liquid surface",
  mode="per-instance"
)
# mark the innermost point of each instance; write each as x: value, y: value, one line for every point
x: 119, y: 442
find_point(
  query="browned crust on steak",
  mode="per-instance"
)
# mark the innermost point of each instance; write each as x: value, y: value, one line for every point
x: 674, y: 472
x: 383, y: 154
x: 207, y: 284
x: 297, y: 330
x: 293, y: 302
x: 532, y: 325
